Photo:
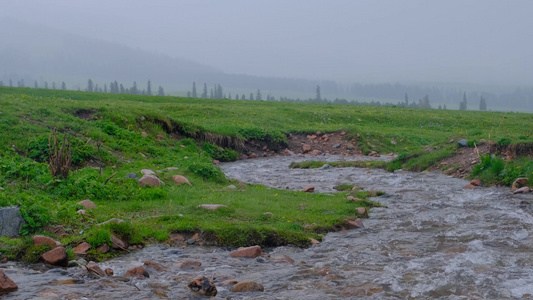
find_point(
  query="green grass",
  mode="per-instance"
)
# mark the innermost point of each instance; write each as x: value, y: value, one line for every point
x: 188, y: 133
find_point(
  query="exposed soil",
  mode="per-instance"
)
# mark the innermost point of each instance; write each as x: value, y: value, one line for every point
x: 85, y: 114
x: 463, y: 161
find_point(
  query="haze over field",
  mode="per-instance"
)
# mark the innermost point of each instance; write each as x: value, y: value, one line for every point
x: 480, y: 45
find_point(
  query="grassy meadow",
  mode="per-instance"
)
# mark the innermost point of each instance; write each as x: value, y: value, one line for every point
x: 105, y: 136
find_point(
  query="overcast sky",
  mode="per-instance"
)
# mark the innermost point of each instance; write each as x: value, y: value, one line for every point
x: 476, y: 41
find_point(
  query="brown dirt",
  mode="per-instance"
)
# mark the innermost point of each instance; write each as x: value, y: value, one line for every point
x: 463, y: 161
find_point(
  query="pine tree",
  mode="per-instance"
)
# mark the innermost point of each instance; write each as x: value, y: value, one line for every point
x: 35, y: 85
x: 243, y: 97
x: 258, y: 96
x: 252, y: 96
x: 204, y: 92
x: 46, y: 84
x: 229, y: 96
x: 318, y: 97
x: 122, y: 90
x: 194, y: 94
x: 63, y: 86
x: 105, y: 88
x: 149, y: 88
x: 90, y: 85
x: 160, y: 91
x: 406, y: 98
x: 133, y: 89
x: 463, y: 104
x: 10, y: 82
x: 482, y: 104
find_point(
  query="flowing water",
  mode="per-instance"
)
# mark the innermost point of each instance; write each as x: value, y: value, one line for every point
x: 434, y: 240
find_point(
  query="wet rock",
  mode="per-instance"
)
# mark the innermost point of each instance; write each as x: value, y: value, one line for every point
x: 315, y: 152
x: 191, y: 241
x: 93, y: 268
x: 373, y: 154
x: 179, y: 180
x: 475, y: 182
x: 249, y: 252
x: 118, y: 243
x: 6, y: 284
x: 336, y: 146
x: 203, y: 286
x: 82, y: 248
x: 188, y: 264
x: 157, y: 266
x: 306, y: 148
x: 462, y: 143
x: 88, y: 204
x: 519, y: 182
x: 39, y: 240
x: 287, y: 152
x: 308, y: 189
x: 325, y: 167
x: 314, y: 242
x: 252, y: 155
x: 104, y: 248
x: 282, y: 258
x: 357, y: 223
x: 469, y: 187
x: 10, y: 221
x: 57, y: 257
x: 138, y: 272
x: 522, y: 190
x: 211, y: 206
x: 150, y: 181
x: 109, y: 272
x: 247, y: 286
x: 131, y: 176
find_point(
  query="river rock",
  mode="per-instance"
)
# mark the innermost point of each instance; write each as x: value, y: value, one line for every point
x: 462, y: 143
x: 109, y: 272
x: 150, y: 181
x: 522, y: 190
x: 131, y: 176
x: 212, y: 206
x: 357, y: 223
x: 282, y: 259
x: 475, y: 182
x: 519, y: 182
x: 373, y: 154
x: 249, y: 252
x: 82, y: 248
x: 157, y: 266
x: 88, y: 204
x: 308, y: 189
x: 314, y: 242
x: 138, y: 272
x: 216, y: 162
x: 179, y: 180
x: 203, y: 286
x: 315, y: 152
x: 118, y: 243
x: 39, y: 240
x: 188, y: 264
x: 469, y: 187
x: 252, y: 155
x: 57, y: 257
x: 247, y: 286
x: 306, y: 148
x: 93, y: 268
x: 362, y: 212
x: 10, y: 221
x: 104, y: 248
x: 6, y: 284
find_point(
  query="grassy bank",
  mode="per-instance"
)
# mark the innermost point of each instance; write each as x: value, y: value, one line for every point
x: 105, y: 134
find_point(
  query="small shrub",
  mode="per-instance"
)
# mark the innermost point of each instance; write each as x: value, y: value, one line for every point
x: 99, y: 237
x: 504, y: 141
x: 218, y: 153
x: 33, y: 253
x: 207, y: 171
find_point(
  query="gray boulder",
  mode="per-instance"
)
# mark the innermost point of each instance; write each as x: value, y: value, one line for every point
x: 10, y: 221
x: 132, y: 176
x: 462, y: 143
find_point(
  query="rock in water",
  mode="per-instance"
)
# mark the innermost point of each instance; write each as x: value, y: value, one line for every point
x: 248, y: 286
x: 250, y: 252
x: 6, y: 284
x: 10, y: 221
x: 57, y: 257
x: 203, y: 286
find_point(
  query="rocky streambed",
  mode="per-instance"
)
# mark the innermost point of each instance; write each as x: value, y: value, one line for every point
x: 434, y: 239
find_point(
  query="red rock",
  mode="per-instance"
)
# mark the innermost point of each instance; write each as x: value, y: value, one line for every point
x: 57, y: 257
x: 216, y: 162
x: 306, y: 148
x: 203, y: 286
x: 308, y: 189
x: 469, y: 187
x: 249, y: 252
x: 179, y: 180
x: 247, y: 286
x: 362, y: 212
x: 315, y: 152
x: 118, y: 243
x: 6, y: 284
x: 138, y: 272
x: 287, y: 152
x: 188, y: 264
x: 352, y: 198
x: 109, y: 272
x: 522, y: 190
x: 39, y: 240
x: 475, y: 182
x: 104, y: 248
x: 95, y: 269
x: 311, y: 137
x: 212, y: 206
x: 144, y: 134
x: 150, y: 180
x: 157, y: 266
x: 88, y: 204
x: 519, y: 182
x: 252, y: 155
x: 314, y: 242
x: 357, y: 223
x: 82, y: 248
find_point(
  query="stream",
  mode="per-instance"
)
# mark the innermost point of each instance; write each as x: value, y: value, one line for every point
x: 434, y: 240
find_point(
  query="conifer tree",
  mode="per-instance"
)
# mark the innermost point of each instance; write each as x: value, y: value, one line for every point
x: 90, y: 85
x: 482, y: 104
x: 160, y: 91
x: 318, y: 97
x: 149, y: 88
x: 194, y: 94
x: 35, y: 85
x: 63, y: 86
x: 258, y: 96
x: 204, y: 92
